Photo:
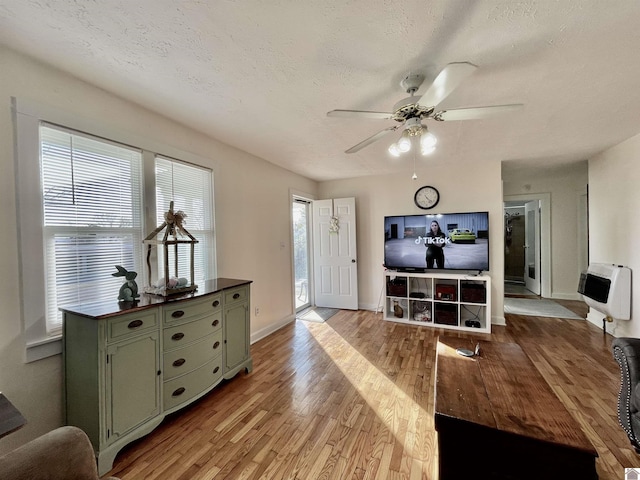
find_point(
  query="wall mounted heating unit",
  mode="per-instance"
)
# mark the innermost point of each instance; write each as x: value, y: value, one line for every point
x: 607, y: 289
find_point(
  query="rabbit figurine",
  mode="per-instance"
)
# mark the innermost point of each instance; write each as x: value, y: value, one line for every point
x: 129, y: 289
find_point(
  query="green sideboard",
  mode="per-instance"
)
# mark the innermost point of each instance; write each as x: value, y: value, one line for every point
x: 127, y: 365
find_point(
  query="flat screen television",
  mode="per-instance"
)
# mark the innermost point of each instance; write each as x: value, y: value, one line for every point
x: 413, y: 243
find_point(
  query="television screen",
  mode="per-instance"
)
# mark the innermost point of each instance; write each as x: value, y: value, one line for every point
x: 451, y: 241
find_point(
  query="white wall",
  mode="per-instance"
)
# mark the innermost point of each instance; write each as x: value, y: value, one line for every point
x: 614, y: 229
x: 566, y: 186
x: 252, y: 222
x: 465, y: 188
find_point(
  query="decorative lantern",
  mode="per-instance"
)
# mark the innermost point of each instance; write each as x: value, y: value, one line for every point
x: 172, y: 226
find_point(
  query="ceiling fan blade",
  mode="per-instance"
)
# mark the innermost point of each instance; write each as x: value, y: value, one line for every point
x: 446, y: 82
x: 476, y: 113
x: 359, y: 114
x: 371, y: 139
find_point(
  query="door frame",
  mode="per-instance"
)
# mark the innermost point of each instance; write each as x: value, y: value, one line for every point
x: 306, y: 197
x: 545, y: 236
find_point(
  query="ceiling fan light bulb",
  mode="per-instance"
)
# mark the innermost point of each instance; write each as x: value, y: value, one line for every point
x: 428, y: 140
x: 428, y: 150
x: 404, y: 144
x: 393, y: 150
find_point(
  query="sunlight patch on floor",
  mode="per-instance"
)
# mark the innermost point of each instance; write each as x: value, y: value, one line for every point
x: 403, y: 417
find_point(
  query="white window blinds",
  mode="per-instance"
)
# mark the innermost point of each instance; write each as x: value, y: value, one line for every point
x: 190, y: 188
x: 92, y: 206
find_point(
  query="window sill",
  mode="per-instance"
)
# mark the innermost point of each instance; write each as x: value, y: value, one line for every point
x: 40, y: 349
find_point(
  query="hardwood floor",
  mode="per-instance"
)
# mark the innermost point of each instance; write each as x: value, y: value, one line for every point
x: 352, y: 398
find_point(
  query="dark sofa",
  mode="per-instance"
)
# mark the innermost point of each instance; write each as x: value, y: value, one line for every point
x: 626, y: 351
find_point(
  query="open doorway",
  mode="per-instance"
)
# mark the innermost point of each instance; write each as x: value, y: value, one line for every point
x: 527, y: 256
x: 522, y: 274
x: 302, y: 287
x: 514, y: 243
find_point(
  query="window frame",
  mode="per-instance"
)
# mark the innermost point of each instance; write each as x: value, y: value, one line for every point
x: 189, y: 224
x: 61, y: 220
x: 27, y: 118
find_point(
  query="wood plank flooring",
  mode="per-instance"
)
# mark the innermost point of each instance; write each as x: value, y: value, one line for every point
x: 352, y: 398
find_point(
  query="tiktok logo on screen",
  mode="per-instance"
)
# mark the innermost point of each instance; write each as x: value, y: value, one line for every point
x: 433, y: 240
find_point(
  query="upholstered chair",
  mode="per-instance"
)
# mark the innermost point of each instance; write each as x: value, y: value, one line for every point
x: 62, y: 454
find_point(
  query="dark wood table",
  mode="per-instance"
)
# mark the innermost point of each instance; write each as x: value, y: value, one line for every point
x: 10, y: 418
x: 497, y: 418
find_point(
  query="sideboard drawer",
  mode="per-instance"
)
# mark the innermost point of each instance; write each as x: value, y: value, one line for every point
x: 183, y: 360
x: 239, y: 294
x: 124, y: 326
x: 183, y: 388
x: 185, y: 311
x: 180, y: 335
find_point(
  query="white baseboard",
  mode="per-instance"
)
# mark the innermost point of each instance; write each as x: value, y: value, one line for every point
x: 370, y: 307
x: 265, y: 332
x: 498, y: 320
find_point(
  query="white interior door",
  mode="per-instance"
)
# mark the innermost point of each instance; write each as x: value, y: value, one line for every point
x: 334, y: 253
x: 532, y: 246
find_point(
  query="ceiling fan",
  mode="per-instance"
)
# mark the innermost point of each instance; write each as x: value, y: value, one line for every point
x: 409, y: 112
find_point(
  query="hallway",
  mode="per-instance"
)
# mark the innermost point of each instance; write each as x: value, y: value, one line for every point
x: 512, y: 289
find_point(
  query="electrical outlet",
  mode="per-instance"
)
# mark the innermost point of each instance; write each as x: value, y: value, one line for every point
x: 257, y: 311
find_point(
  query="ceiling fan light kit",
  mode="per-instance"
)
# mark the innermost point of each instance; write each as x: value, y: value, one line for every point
x: 411, y: 111
x: 414, y: 129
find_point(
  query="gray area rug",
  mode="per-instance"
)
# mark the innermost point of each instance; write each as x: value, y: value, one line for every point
x: 537, y: 307
x: 317, y: 314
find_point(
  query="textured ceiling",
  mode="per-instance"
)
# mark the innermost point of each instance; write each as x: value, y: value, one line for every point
x: 261, y: 75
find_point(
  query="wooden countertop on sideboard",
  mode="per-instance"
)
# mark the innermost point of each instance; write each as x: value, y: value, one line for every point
x: 104, y: 309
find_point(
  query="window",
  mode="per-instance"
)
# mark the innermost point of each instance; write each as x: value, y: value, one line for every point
x: 190, y: 189
x: 84, y: 205
x: 93, y: 216
x: 92, y: 206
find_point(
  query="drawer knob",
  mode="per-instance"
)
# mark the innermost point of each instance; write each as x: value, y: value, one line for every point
x: 236, y: 296
x: 216, y: 370
x: 178, y: 391
x: 179, y: 362
x: 216, y: 345
x: 177, y: 314
x: 216, y: 303
x: 177, y: 336
x: 135, y: 324
x: 215, y: 323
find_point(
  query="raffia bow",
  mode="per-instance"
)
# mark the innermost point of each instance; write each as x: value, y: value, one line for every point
x: 175, y: 220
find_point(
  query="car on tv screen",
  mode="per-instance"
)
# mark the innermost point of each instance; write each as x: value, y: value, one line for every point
x: 462, y: 235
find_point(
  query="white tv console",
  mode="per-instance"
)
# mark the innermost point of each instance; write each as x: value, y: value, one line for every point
x: 442, y: 300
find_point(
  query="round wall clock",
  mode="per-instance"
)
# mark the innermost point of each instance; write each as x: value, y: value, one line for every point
x: 426, y: 197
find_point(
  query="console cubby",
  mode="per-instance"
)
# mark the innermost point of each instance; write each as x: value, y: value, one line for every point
x: 398, y: 314
x: 443, y: 300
